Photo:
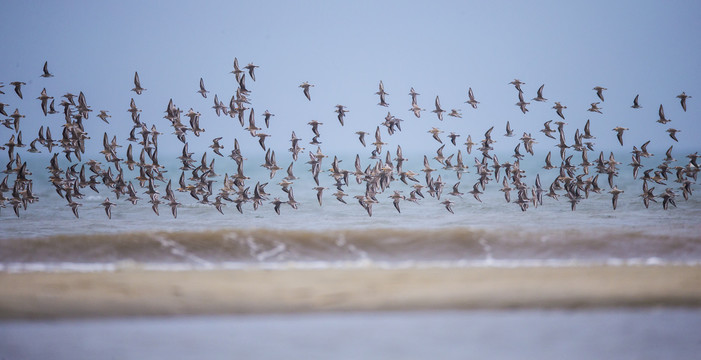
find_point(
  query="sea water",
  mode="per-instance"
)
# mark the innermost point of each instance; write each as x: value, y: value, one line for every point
x: 491, y: 232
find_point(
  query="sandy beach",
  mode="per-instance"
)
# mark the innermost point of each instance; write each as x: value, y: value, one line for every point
x: 135, y: 292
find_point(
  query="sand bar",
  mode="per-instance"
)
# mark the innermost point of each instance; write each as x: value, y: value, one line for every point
x: 134, y: 292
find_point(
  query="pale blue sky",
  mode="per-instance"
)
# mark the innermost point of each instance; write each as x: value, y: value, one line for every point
x: 651, y: 48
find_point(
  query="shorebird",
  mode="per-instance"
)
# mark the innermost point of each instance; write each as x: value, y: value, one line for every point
x: 471, y: 99
x: 509, y: 131
x: 382, y: 94
x: 673, y: 133
x: 44, y: 101
x: 619, y: 133
x: 595, y: 108
x: 435, y: 131
x: 448, y: 205
x: 682, y: 99
x: 108, y: 207
x: 103, y: 115
x: 558, y: 109
x: 319, y: 193
x: 18, y: 87
x: 413, y: 95
x: 455, y: 113
x: 202, y: 90
x: 662, y: 119
x: 521, y: 103
x: 341, y: 110
x: 636, y: 105
x: 600, y: 92
x: 361, y: 136
x: 416, y: 109
x: 46, y: 73
x: 539, y: 96
x: 615, y: 192
x: 396, y: 197
x: 476, y: 192
x: 250, y: 68
x: 547, y: 130
x: 137, y: 84
x: 267, y: 115
x: 305, y: 85
x: 439, y: 112
x: 517, y: 84
x: 453, y: 136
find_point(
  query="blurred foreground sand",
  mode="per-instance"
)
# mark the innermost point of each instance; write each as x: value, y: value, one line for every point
x: 134, y: 292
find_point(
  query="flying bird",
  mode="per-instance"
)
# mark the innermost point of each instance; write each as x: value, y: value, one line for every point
x: 305, y: 85
x: 636, y: 105
x: 439, y: 112
x: 202, y: 90
x: 600, y: 92
x: 558, y: 109
x: 46, y: 73
x: 471, y: 99
x: 619, y: 133
x: 137, y: 84
x: 539, y: 96
x: 18, y: 87
x: 662, y: 119
x: 682, y: 99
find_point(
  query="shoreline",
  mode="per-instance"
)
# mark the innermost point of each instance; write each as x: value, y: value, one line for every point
x: 135, y: 292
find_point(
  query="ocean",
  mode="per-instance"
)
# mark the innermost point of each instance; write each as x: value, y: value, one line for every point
x: 48, y: 237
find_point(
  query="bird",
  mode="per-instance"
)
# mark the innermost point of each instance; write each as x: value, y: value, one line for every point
x: 435, y: 131
x: 453, y: 136
x: 595, y: 108
x: 558, y: 109
x: 517, y: 84
x: 305, y: 85
x: 636, y: 105
x: 341, y: 110
x: 521, y: 103
x: 662, y: 119
x: 267, y: 115
x: 547, y: 130
x: 476, y: 192
x: 439, y: 112
x: 509, y: 131
x: 46, y: 73
x: 471, y: 99
x: 250, y: 68
x: 455, y: 113
x: 682, y: 99
x: 615, y: 191
x: 539, y: 96
x: 18, y: 87
x: 103, y: 115
x: 108, y: 207
x: 44, y: 101
x: 216, y: 147
x: 361, y: 136
x: 319, y: 193
x: 137, y: 84
x: 416, y: 109
x: 600, y: 92
x: 448, y: 205
x: 673, y: 133
x: 619, y: 133
x: 382, y: 94
x: 202, y: 90
x: 413, y: 95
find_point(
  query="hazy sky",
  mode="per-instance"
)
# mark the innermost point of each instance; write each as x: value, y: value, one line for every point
x: 651, y: 48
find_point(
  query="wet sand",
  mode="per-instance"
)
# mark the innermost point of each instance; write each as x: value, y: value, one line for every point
x: 135, y: 292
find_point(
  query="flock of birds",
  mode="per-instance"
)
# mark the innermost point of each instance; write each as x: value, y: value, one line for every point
x: 574, y: 181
